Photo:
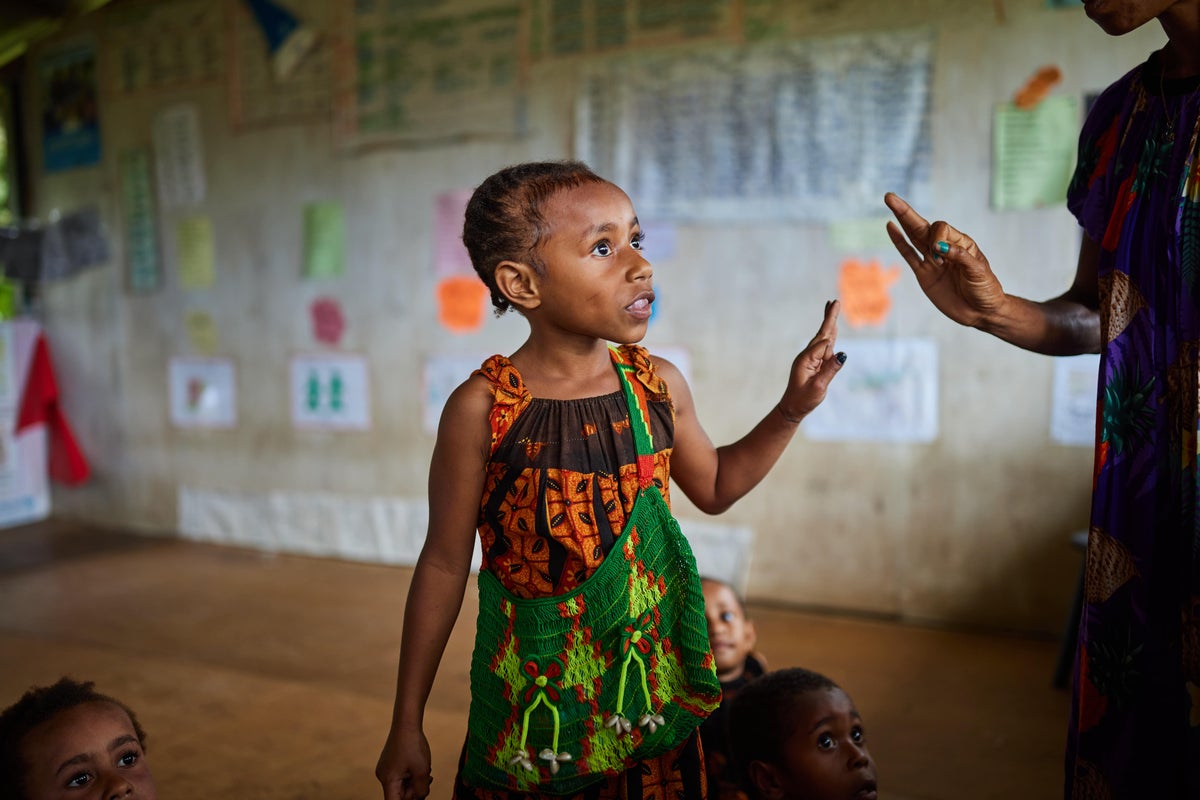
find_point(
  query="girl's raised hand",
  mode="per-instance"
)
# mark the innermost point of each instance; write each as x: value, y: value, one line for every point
x: 813, y: 369
x: 949, y: 266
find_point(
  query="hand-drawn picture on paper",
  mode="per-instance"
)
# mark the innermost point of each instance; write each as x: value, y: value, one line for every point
x: 887, y: 392
x: 203, y: 393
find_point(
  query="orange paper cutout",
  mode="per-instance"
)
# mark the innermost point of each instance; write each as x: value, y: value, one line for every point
x: 461, y: 300
x: 863, y: 289
x: 1037, y: 87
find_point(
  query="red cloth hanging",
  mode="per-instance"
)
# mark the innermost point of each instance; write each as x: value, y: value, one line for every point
x: 39, y: 405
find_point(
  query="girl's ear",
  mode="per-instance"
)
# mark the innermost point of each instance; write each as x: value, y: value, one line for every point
x: 518, y: 282
x: 765, y: 778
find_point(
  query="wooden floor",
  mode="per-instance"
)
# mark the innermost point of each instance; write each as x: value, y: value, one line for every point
x: 262, y: 676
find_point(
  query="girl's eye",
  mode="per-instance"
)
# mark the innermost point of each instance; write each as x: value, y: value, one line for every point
x: 857, y: 735
x: 638, y: 241
x: 727, y: 616
x: 128, y: 759
x: 825, y: 741
x: 82, y: 779
x: 602, y: 249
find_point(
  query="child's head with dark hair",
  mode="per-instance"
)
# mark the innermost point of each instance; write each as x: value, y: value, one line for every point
x: 731, y: 633
x: 504, y: 219
x: 796, y: 735
x: 69, y: 741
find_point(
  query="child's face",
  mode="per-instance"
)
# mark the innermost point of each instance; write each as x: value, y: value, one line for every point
x: 88, y: 751
x: 730, y: 634
x: 596, y: 281
x: 825, y: 758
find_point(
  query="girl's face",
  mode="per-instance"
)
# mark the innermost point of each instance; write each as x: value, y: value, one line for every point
x: 88, y: 751
x: 730, y: 634
x: 825, y: 758
x: 596, y: 283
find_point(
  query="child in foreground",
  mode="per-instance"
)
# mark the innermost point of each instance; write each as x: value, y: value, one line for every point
x: 68, y: 741
x: 592, y: 670
x: 797, y: 736
x: 733, y: 638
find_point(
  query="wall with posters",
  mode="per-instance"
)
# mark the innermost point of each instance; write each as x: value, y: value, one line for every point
x: 262, y: 360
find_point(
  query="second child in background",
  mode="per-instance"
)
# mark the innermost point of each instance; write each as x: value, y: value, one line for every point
x: 67, y: 740
x: 591, y: 671
x: 796, y: 735
x: 733, y: 638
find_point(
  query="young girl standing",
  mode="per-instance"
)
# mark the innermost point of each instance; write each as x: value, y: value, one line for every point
x: 591, y: 669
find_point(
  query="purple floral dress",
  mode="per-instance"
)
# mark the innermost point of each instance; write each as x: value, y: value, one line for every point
x: 1135, y: 717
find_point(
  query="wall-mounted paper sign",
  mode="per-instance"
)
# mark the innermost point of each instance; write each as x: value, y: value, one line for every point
x: 1073, y: 413
x: 203, y: 393
x: 179, y: 157
x: 330, y: 391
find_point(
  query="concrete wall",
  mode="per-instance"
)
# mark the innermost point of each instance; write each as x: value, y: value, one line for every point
x: 971, y: 528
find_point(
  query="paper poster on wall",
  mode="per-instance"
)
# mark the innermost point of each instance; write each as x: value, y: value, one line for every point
x: 1033, y: 153
x: 328, y: 321
x: 331, y: 392
x: 670, y: 128
x: 149, y: 45
x: 462, y: 301
x: 179, y: 157
x: 257, y: 96
x: 194, y: 252
x: 203, y: 392
x: 450, y: 256
x: 887, y: 392
x: 202, y: 333
x: 441, y: 376
x: 9, y: 391
x: 860, y: 236
x: 864, y: 291
x: 324, y: 240
x: 430, y: 71
x: 141, y: 223
x: 70, y: 108
x: 566, y: 28
x: 1073, y: 405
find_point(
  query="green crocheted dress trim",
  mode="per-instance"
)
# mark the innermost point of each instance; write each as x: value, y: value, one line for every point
x: 568, y: 689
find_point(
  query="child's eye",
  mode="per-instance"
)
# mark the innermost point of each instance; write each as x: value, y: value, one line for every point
x: 825, y: 741
x: 727, y: 616
x: 857, y: 735
x: 81, y: 779
x: 638, y: 242
x: 128, y: 759
x: 602, y: 249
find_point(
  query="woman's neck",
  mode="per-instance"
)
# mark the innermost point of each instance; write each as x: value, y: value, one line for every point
x: 1181, y: 55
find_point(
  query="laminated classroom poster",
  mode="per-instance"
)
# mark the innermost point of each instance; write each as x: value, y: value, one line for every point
x: 70, y: 108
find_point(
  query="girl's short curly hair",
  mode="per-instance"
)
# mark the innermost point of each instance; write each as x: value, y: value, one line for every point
x: 761, y: 717
x: 36, y: 706
x: 504, y: 219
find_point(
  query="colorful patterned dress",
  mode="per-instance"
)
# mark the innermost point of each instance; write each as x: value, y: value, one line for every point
x: 1135, y: 723
x: 561, y: 481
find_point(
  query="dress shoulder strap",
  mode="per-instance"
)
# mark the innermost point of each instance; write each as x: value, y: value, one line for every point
x: 509, y: 395
x: 634, y: 389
